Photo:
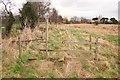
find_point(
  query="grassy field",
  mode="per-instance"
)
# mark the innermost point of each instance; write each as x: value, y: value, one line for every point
x: 63, y: 64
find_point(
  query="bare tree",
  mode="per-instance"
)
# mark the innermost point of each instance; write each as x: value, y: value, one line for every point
x: 60, y: 19
x: 41, y: 8
x: 8, y: 13
x: 75, y: 19
x: 84, y: 20
x: 54, y: 15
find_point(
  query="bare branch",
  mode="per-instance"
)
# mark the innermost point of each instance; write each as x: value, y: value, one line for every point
x: 5, y: 6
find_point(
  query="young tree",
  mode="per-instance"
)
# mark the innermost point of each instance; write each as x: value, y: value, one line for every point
x: 9, y: 15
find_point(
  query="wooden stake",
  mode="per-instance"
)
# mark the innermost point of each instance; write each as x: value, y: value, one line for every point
x: 96, y: 52
x: 47, y: 37
x: 90, y: 41
x: 19, y: 45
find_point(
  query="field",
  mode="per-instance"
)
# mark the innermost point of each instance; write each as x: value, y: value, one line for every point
x: 62, y: 64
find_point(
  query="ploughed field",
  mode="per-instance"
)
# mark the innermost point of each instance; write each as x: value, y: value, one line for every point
x: 62, y: 64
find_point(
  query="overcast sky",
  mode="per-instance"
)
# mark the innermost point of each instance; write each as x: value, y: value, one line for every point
x: 87, y: 8
x: 83, y: 8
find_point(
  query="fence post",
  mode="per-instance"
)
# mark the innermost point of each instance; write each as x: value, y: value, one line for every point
x: 90, y: 41
x: 47, y: 36
x: 96, y: 50
x: 19, y: 45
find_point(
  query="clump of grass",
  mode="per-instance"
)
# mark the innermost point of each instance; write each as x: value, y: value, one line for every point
x: 16, y: 26
x: 52, y: 75
x: 32, y: 46
x: 98, y: 75
x: 16, y: 69
x: 74, y: 76
x: 85, y: 66
x: 77, y: 34
x: 55, y: 46
x: 40, y: 56
x: 113, y: 39
x: 5, y: 52
x: 25, y: 57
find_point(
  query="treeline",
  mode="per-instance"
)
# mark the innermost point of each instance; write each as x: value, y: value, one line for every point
x: 32, y: 13
x: 29, y: 16
x: 104, y: 20
x: 96, y: 20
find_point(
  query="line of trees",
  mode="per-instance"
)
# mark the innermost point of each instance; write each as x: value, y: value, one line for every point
x: 96, y: 20
x: 105, y: 20
x: 34, y: 12
x: 30, y: 15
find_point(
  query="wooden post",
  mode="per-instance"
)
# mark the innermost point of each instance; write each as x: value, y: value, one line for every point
x: 56, y: 21
x: 19, y: 45
x: 90, y: 41
x: 47, y: 36
x: 96, y: 50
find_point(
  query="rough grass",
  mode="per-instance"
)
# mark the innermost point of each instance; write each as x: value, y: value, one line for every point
x: 59, y: 64
x: 113, y: 39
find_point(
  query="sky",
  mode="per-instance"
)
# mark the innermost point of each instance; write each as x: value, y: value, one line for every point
x: 87, y: 8
x: 82, y: 8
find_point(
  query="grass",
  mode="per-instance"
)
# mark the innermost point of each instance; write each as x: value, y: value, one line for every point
x: 56, y: 36
x: 98, y: 75
x: 5, y: 52
x: 52, y: 75
x: 55, y: 46
x: 32, y: 46
x: 16, y: 26
x: 18, y: 70
x: 113, y: 39
x: 77, y: 34
x: 85, y: 66
x: 24, y: 68
x: 75, y: 76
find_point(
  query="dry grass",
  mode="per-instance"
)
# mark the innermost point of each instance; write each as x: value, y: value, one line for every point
x: 62, y: 64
